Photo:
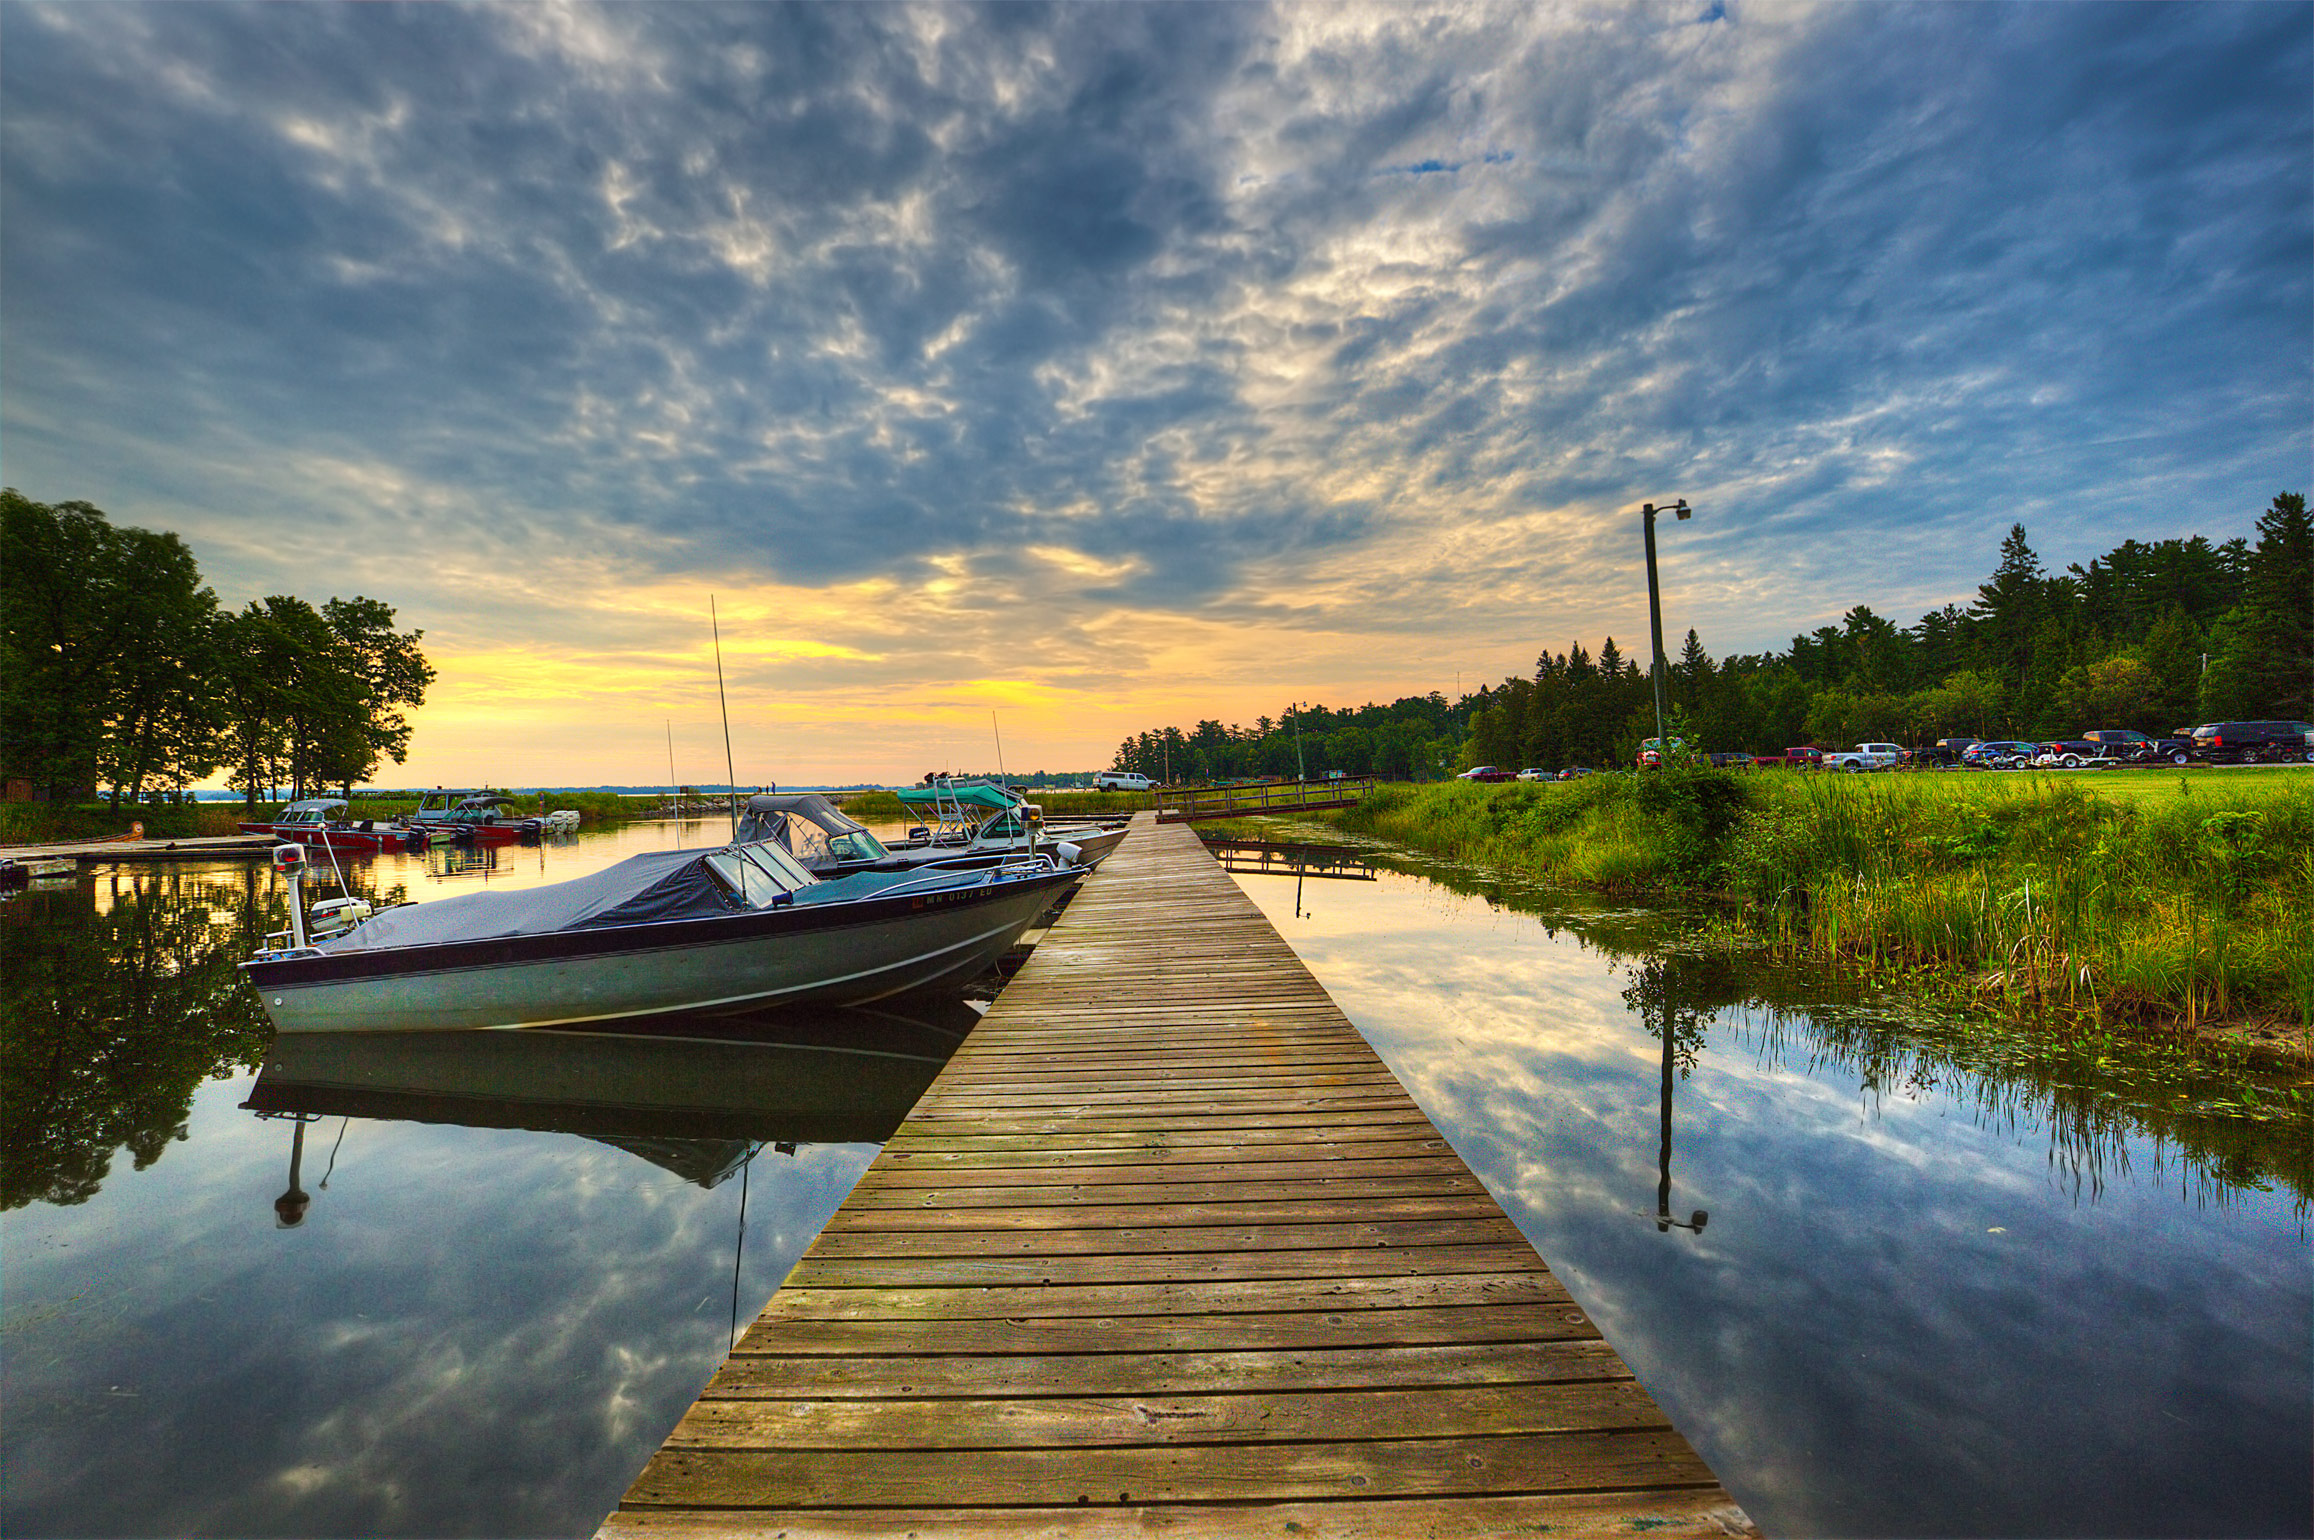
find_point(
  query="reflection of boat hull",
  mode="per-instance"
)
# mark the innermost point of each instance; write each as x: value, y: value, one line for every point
x: 837, y: 953
x: 475, y: 833
x: 817, y: 1076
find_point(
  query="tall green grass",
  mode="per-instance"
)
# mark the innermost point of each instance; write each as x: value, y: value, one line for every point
x: 2193, y: 903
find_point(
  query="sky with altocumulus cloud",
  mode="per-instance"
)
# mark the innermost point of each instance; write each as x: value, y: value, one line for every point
x: 1109, y: 366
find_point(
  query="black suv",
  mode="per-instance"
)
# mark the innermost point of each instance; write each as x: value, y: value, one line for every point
x: 2244, y: 742
x: 1944, y: 754
x: 2127, y: 743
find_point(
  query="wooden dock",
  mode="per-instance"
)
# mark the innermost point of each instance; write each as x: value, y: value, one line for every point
x: 1167, y: 1250
x: 214, y: 847
x: 1190, y: 803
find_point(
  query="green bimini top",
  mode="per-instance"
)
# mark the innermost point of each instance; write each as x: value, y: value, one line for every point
x: 967, y: 793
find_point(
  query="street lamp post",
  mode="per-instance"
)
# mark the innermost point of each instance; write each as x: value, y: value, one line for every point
x: 1647, y: 514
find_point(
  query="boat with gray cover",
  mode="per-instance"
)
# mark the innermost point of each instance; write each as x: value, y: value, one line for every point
x: 727, y: 929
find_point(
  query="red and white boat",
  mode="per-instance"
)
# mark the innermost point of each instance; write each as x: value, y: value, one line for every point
x: 322, y: 824
x: 473, y: 819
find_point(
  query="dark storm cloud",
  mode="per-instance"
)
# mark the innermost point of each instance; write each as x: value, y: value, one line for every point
x: 826, y: 291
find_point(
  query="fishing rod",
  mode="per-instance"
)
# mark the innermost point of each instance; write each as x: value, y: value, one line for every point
x: 730, y: 774
x: 674, y: 792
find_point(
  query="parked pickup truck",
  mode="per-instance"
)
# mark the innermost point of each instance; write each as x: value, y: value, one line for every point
x: 1806, y: 757
x: 1865, y: 756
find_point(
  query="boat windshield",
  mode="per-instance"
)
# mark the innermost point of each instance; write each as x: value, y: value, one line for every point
x: 810, y: 828
x: 313, y: 812
x: 815, y: 846
x: 1005, y: 827
x: 761, y: 874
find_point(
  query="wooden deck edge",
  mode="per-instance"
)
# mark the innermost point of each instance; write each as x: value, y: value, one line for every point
x: 1702, y: 1514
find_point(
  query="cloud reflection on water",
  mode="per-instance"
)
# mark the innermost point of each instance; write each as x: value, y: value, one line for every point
x: 475, y: 1331
x: 1917, y: 1308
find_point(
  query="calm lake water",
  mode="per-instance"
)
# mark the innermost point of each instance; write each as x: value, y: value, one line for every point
x: 1939, y: 1288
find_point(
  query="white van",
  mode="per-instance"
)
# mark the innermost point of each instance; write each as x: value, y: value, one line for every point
x: 1121, y: 780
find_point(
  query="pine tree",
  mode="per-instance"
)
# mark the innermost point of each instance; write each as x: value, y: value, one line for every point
x: 1693, y: 673
x: 2010, y: 609
x: 2273, y: 651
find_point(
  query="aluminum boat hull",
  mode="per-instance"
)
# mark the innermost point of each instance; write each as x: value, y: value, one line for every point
x: 837, y: 953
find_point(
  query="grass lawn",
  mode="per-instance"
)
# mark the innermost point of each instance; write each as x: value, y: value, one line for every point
x: 2140, y: 785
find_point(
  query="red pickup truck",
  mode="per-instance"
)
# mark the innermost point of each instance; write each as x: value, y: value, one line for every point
x: 1805, y: 757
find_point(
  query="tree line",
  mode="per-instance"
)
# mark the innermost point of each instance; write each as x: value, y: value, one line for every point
x: 1414, y: 738
x: 2153, y: 636
x: 121, y: 672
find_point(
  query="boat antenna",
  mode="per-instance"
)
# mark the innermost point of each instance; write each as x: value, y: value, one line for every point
x: 730, y: 775
x: 341, y: 1127
x: 992, y: 727
x: 674, y: 792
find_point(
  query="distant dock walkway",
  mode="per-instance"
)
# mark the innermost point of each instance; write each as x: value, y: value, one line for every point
x: 215, y: 847
x: 1167, y: 1250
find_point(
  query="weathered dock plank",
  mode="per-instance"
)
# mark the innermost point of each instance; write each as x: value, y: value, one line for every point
x: 1167, y: 1250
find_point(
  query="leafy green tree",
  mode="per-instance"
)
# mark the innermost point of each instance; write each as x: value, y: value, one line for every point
x: 2113, y: 692
x: 1968, y: 704
x: 393, y: 672
x: 309, y: 695
x: 104, y: 651
x: 1841, y: 718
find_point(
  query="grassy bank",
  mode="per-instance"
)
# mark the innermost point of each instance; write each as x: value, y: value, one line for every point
x: 38, y: 823
x: 2154, y: 899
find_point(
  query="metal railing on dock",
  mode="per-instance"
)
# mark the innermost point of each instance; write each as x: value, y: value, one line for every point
x: 1186, y: 803
x: 1166, y: 1249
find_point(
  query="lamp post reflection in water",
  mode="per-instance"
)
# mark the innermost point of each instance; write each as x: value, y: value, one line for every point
x: 289, y: 1209
x: 1655, y: 994
x: 1663, y: 1220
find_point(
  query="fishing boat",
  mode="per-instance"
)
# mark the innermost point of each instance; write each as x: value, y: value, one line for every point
x: 322, y: 823
x: 830, y: 842
x: 473, y: 818
x: 980, y: 816
x: 715, y: 930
